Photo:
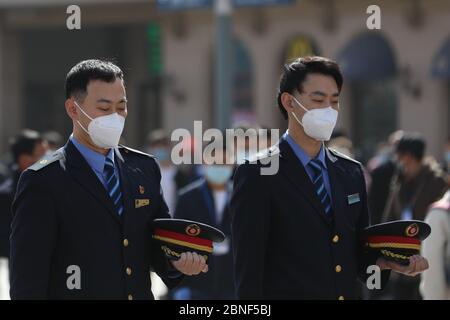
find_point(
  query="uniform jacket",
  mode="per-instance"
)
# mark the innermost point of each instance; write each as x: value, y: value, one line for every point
x: 64, y: 221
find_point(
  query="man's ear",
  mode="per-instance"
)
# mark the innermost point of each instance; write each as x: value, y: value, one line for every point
x: 71, y: 109
x: 287, y: 102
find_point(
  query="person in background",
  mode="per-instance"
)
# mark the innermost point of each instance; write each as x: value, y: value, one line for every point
x: 382, y: 168
x: 26, y: 148
x: 158, y: 145
x: 416, y: 184
x: 435, y: 283
x: 187, y: 173
x: 54, y: 139
x: 206, y: 201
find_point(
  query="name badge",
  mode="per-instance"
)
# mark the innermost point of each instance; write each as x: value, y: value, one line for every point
x: 353, y: 198
x: 141, y: 203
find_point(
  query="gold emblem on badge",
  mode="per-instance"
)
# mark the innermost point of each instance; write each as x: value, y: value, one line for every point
x: 141, y: 203
x: 412, y: 230
x: 193, y: 230
x: 141, y: 189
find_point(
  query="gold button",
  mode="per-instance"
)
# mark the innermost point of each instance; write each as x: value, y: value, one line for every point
x: 128, y: 271
x: 125, y: 242
x: 338, y: 268
x: 341, y: 298
x: 130, y: 297
x: 335, y: 238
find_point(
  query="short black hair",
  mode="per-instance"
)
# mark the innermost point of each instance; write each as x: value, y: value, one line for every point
x: 295, y: 73
x: 413, y: 144
x: 79, y: 76
x: 24, y: 143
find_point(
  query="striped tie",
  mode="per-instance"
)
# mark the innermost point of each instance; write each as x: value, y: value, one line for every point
x: 319, y: 185
x: 113, y: 186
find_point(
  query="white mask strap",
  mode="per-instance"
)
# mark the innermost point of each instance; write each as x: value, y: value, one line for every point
x: 295, y: 116
x: 79, y: 123
x: 300, y: 104
x: 293, y: 113
x: 84, y: 111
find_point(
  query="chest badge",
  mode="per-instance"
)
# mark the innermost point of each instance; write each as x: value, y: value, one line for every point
x: 141, y: 189
x: 353, y: 198
x: 138, y: 203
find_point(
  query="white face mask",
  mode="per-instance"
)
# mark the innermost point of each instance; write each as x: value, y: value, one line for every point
x: 105, y: 131
x: 318, y: 123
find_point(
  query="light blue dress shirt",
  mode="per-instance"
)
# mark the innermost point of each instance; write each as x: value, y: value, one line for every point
x: 96, y: 160
x: 305, y: 159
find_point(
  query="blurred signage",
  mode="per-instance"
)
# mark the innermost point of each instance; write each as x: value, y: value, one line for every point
x: 154, y: 48
x: 173, y: 5
x: 245, y: 3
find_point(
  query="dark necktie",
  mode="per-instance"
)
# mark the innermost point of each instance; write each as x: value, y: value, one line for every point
x: 319, y: 185
x: 113, y: 185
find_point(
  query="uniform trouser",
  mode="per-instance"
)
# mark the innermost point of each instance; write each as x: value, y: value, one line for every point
x: 4, y: 279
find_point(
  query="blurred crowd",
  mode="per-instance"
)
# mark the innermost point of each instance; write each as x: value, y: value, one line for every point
x: 403, y: 182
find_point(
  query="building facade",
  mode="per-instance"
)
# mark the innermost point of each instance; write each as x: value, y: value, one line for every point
x: 397, y: 77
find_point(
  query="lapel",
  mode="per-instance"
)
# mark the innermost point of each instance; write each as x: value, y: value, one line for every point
x: 81, y: 172
x: 296, y: 173
x: 125, y: 173
x: 337, y: 175
x: 132, y: 179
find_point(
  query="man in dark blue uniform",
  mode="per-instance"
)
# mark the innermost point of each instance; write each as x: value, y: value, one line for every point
x: 295, y: 232
x: 82, y: 216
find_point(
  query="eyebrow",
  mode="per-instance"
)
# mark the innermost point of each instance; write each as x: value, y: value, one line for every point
x: 320, y: 93
x: 102, y: 100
